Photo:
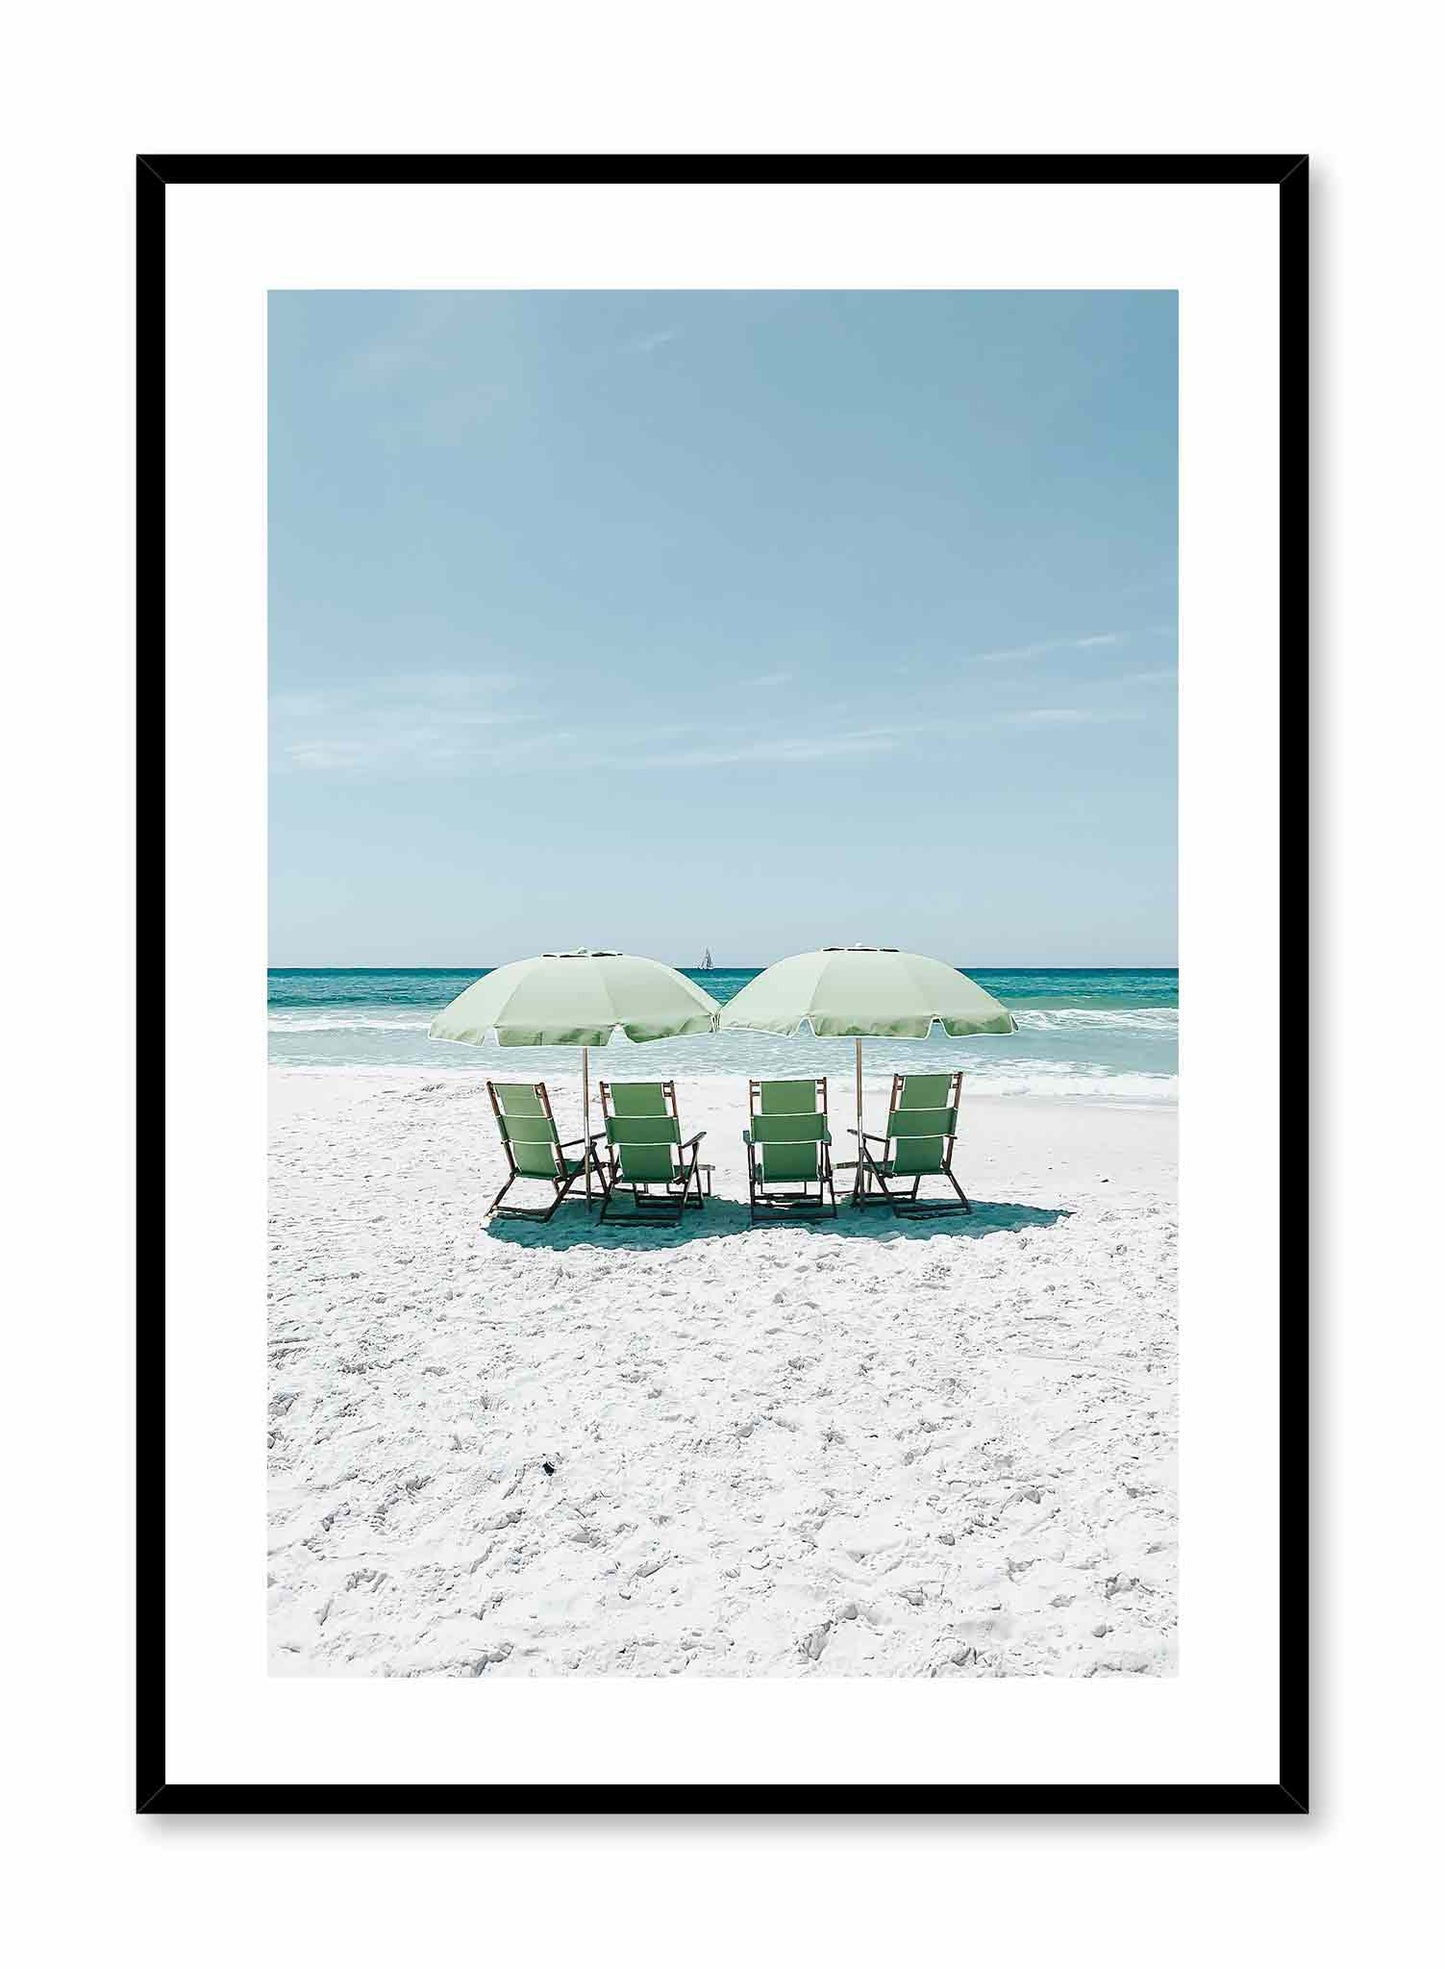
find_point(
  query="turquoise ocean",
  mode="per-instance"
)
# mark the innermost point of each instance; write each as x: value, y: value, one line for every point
x: 1100, y: 1035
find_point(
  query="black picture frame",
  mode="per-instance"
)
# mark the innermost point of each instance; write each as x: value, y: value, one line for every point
x: 154, y: 1793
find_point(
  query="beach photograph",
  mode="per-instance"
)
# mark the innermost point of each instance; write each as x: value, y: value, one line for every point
x: 723, y: 1005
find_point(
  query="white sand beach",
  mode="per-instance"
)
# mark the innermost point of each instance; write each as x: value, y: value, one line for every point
x: 861, y: 1447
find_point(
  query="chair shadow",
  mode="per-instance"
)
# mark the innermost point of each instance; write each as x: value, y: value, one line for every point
x: 574, y: 1224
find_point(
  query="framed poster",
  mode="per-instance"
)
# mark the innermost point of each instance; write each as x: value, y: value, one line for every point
x: 735, y: 704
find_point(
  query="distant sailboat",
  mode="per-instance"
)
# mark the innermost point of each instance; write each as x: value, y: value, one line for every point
x: 706, y: 964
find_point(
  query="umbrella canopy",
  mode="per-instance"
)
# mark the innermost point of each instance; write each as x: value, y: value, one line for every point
x: 864, y: 993
x: 887, y: 994
x: 577, y: 998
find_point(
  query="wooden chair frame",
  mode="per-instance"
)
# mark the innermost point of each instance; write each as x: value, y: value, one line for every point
x: 683, y: 1190
x: 873, y: 1170
x: 803, y: 1202
x: 562, y: 1182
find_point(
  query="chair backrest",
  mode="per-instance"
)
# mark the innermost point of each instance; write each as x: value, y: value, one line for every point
x: 926, y: 1090
x: 638, y: 1097
x: 789, y: 1123
x: 524, y: 1121
x: 642, y: 1127
x: 922, y: 1121
x: 788, y: 1096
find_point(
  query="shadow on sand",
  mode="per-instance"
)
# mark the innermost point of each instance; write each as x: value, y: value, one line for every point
x: 721, y: 1217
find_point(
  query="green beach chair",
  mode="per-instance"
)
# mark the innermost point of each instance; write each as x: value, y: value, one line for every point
x: 790, y: 1164
x: 534, y: 1151
x: 922, y: 1124
x: 646, y: 1155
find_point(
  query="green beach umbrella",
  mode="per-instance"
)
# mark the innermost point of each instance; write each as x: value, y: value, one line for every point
x: 577, y: 998
x: 863, y: 993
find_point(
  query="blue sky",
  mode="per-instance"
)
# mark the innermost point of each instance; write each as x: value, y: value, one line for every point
x: 751, y: 620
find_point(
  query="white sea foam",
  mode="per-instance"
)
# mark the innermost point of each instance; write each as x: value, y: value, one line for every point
x: 1133, y: 1018
x: 1040, y: 1080
x: 1123, y: 1055
x: 299, y: 1019
x: 1057, y: 1082
x: 1163, y: 1019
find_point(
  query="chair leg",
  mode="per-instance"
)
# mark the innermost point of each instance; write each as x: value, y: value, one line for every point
x: 958, y: 1188
x: 915, y: 1206
x: 664, y: 1209
x: 619, y: 1182
x: 564, y: 1189
x: 560, y: 1189
x: 872, y: 1173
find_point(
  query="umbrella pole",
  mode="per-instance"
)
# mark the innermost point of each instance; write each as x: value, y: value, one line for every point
x: 858, y: 1087
x: 586, y: 1128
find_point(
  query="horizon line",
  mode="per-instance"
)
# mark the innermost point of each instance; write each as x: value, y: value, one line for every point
x: 1112, y: 966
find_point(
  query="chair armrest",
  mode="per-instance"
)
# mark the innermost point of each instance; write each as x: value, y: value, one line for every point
x: 693, y: 1140
x: 747, y: 1138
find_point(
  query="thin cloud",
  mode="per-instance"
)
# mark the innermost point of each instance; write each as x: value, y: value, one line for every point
x: 303, y: 704
x: 451, y: 687
x: 434, y: 721
x: 420, y: 383
x: 454, y: 688
x: 1022, y: 652
x: 803, y: 749
x: 643, y: 751
x: 448, y: 420
x: 323, y: 755
x: 447, y: 723
x: 410, y: 345
x: 645, y: 345
x: 421, y: 747
x: 1067, y: 714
